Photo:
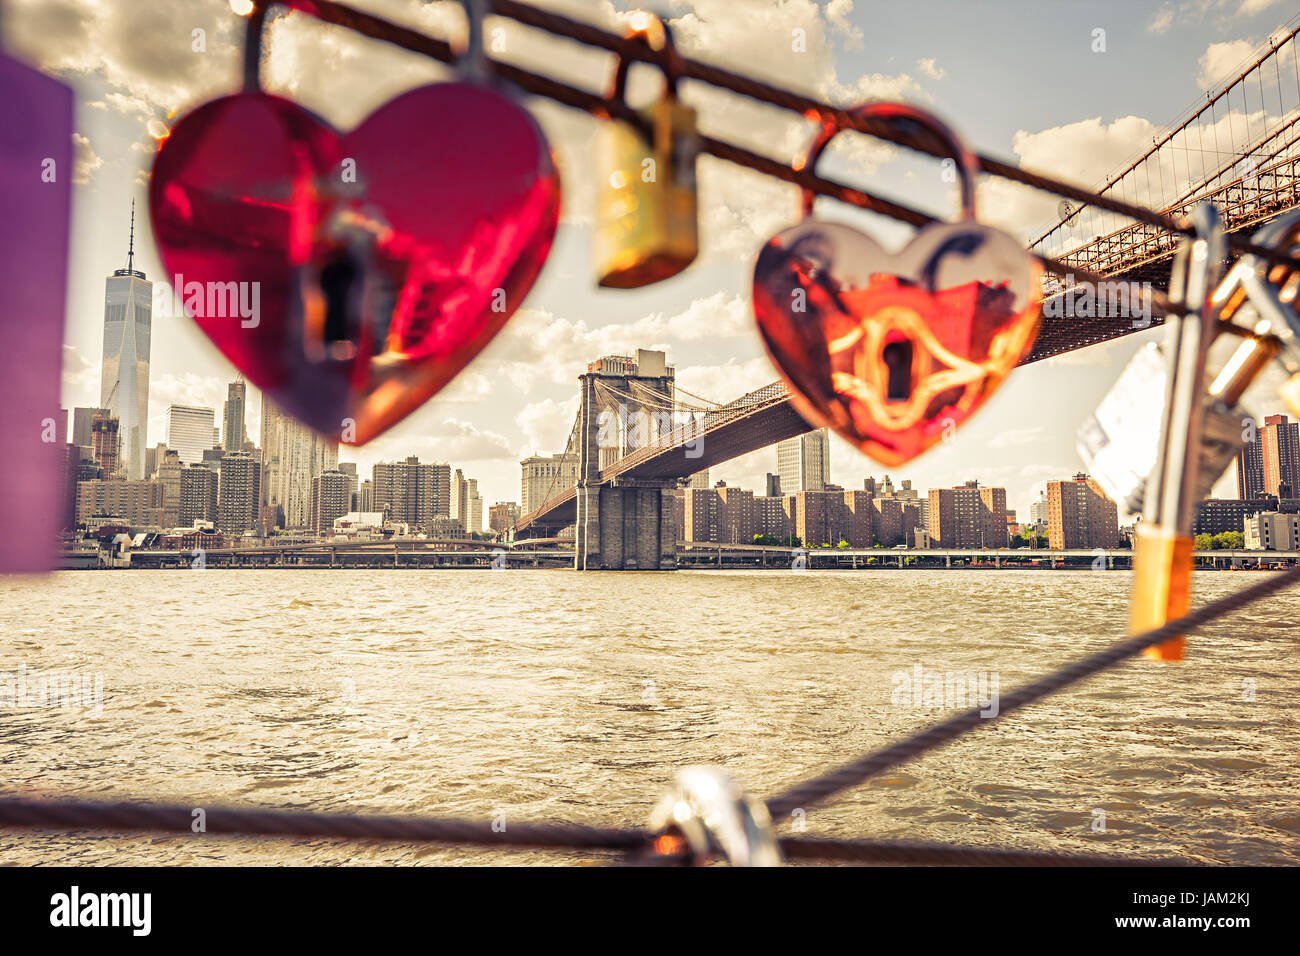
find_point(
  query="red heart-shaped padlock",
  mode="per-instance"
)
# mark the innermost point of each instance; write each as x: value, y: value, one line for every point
x: 351, y: 276
x: 893, y: 351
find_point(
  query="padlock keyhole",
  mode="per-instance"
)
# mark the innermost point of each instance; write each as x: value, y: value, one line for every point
x: 337, y: 281
x: 898, y: 360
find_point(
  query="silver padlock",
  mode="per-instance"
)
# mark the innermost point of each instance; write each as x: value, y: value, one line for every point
x: 1119, y: 441
x: 716, y: 818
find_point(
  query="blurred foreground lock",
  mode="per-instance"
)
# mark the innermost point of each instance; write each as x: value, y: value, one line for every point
x: 36, y: 490
x: 646, y: 227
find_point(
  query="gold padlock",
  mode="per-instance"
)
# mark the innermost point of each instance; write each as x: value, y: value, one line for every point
x: 646, y: 215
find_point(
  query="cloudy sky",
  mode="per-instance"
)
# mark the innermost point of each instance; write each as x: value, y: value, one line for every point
x: 1022, y: 81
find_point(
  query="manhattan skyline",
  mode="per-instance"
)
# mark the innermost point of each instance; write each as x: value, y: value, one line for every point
x: 518, y: 396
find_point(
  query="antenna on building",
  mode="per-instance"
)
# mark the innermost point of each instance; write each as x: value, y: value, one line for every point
x: 130, y: 251
x: 130, y: 269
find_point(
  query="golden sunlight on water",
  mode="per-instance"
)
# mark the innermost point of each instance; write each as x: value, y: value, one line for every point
x: 553, y: 696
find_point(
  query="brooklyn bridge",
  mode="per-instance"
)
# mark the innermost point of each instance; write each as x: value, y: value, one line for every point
x: 636, y: 433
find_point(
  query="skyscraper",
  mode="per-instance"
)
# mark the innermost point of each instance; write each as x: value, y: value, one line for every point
x: 124, y: 381
x: 803, y: 462
x: 234, y: 434
x: 1080, y: 515
x: 237, y: 492
x: 189, y: 431
x: 968, y: 516
x: 411, y: 492
x: 105, y: 442
x: 1271, y: 463
x: 1279, y: 442
x: 81, y: 419
x: 299, y: 455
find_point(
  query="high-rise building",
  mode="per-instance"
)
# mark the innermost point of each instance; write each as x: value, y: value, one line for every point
x: 349, y: 468
x: 234, y: 433
x: 1271, y: 463
x: 366, y: 497
x: 772, y: 486
x: 1038, y: 511
x: 81, y: 419
x: 168, y: 474
x: 299, y: 455
x: 502, y: 516
x: 199, y: 487
x: 1080, y: 515
x: 124, y: 379
x: 238, y: 493
x: 803, y: 462
x: 139, y: 502
x: 545, y: 477
x: 331, y: 492
x: 105, y: 442
x: 699, y: 480
x: 411, y: 492
x: 189, y: 431
x: 1279, y: 442
x: 465, y: 504
x: 737, y: 520
x: 772, y: 516
x: 700, y: 515
x: 968, y: 516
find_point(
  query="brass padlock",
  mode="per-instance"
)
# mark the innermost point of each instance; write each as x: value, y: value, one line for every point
x: 646, y: 215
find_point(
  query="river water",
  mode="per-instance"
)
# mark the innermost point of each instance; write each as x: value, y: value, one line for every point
x: 537, y: 695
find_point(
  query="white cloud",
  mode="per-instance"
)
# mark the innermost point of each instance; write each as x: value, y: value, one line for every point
x: 84, y: 161
x: 927, y: 66
x: 1221, y: 61
x: 1161, y: 20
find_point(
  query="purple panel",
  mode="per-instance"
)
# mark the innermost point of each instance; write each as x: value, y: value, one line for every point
x: 35, y: 130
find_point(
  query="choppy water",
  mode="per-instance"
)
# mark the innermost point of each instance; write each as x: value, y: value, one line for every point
x: 556, y: 696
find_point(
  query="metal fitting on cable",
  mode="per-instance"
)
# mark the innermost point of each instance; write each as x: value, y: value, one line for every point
x: 705, y: 815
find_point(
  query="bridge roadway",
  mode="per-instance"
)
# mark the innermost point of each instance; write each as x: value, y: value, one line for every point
x: 856, y: 557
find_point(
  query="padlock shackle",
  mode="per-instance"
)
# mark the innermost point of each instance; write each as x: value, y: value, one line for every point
x: 658, y: 36
x: 967, y: 164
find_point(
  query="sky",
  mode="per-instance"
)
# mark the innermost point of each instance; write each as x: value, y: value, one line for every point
x: 1024, y: 82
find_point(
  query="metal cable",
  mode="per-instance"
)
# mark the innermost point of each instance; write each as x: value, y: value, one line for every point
x: 634, y: 49
x: 71, y: 815
x: 821, y: 788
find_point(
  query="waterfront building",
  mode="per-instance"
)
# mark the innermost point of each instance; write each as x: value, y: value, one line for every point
x: 968, y: 516
x: 1271, y: 531
x: 1217, y: 515
x: 803, y: 462
x: 139, y: 503
x: 1080, y: 515
x: 168, y: 473
x: 772, y: 515
x: 545, y: 476
x: 299, y: 455
x: 330, y: 499
x: 238, y: 493
x: 1270, y: 465
x: 198, y: 496
x: 502, y: 516
x: 411, y: 492
x: 736, y: 520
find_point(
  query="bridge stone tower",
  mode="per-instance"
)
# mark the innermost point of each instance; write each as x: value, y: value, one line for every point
x: 624, y: 524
